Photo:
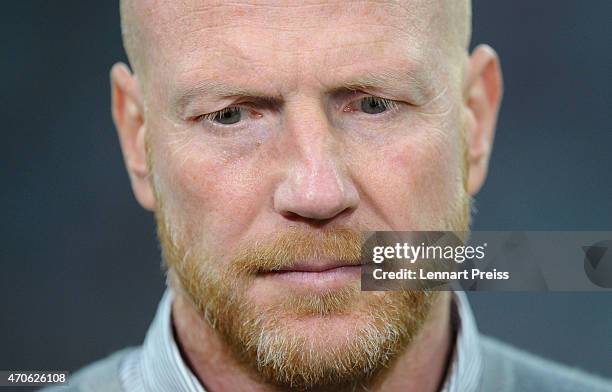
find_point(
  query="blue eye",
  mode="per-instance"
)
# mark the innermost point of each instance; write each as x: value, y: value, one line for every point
x: 227, y: 116
x: 374, y: 105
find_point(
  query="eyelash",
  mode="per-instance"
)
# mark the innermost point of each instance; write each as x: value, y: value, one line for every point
x: 211, y: 116
x: 389, y: 105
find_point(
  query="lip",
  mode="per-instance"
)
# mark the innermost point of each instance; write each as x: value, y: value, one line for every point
x: 318, y: 277
x: 316, y: 266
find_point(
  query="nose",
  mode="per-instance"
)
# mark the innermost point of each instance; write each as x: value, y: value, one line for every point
x: 317, y: 184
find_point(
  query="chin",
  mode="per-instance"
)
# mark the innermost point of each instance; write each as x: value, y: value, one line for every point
x: 307, y: 351
x: 324, y: 332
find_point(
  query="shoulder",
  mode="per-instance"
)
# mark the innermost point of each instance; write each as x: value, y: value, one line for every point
x: 507, y: 368
x: 102, y: 375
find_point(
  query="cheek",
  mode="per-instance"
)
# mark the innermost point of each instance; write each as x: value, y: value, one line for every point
x: 421, y: 182
x: 212, y: 196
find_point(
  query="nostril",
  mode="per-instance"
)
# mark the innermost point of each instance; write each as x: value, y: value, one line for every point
x: 317, y: 222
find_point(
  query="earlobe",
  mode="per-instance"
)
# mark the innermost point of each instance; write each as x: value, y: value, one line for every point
x: 483, y: 91
x: 128, y: 115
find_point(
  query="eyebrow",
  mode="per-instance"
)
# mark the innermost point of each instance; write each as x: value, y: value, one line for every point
x: 394, y: 83
x: 218, y: 89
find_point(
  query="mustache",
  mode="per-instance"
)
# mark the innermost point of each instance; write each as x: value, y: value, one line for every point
x: 295, y: 246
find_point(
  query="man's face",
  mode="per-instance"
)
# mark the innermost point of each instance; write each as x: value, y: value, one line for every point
x: 275, y: 134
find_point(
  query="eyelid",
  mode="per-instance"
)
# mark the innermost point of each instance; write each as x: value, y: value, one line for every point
x: 212, y: 115
x: 247, y: 109
x: 390, y: 104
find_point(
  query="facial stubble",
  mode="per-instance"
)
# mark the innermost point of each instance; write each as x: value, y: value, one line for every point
x: 272, y: 340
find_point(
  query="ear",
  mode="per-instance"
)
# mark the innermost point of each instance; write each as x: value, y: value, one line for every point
x: 128, y: 115
x: 483, y: 90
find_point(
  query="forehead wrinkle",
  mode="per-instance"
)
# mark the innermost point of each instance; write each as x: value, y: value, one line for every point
x: 219, y: 14
x: 205, y: 22
x: 157, y: 22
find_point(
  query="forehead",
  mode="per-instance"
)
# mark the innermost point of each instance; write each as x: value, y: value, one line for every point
x: 273, y: 40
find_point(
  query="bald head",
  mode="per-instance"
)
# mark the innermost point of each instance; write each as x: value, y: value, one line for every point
x: 142, y: 23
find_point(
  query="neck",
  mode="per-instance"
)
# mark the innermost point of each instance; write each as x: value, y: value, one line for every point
x: 421, y: 367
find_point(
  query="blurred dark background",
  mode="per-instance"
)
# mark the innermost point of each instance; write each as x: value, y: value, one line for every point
x: 81, y: 270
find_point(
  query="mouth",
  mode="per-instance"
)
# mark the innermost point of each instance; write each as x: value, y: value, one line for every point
x: 315, y: 275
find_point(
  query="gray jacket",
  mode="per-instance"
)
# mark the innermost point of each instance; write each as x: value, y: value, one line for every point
x: 506, y: 369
